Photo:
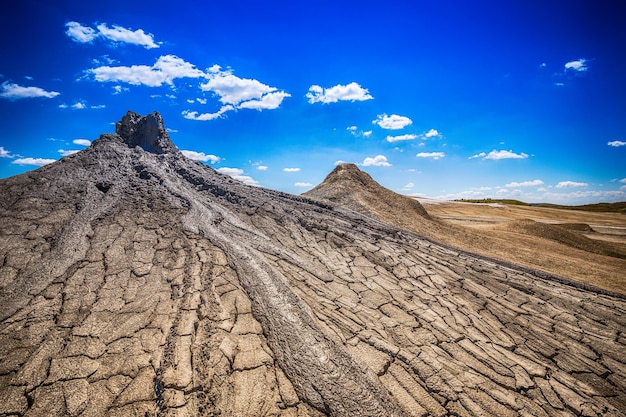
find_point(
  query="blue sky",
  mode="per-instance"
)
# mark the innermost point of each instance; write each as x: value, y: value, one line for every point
x: 445, y: 99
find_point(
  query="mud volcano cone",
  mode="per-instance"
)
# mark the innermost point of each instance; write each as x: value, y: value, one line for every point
x: 137, y: 282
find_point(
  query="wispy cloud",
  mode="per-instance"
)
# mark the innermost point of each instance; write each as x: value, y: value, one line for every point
x: 5, y: 154
x: 408, y: 187
x: 82, y: 142
x: 533, y: 183
x: 13, y: 91
x: 117, y: 34
x: 79, y: 105
x: 616, y: 143
x: 65, y: 152
x: 349, y: 92
x: 33, y: 161
x: 433, y: 155
x: 201, y: 156
x: 303, y: 184
x: 291, y: 169
x: 164, y: 71
x: 378, y: 160
x: 571, y: 184
x: 237, y: 174
x: 203, y: 117
x: 393, y: 122
x: 432, y: 133
x: 357, y: 133
x: 399, y: 138
x: 80, y: 33
x: 579, y: 65
x: 497, y: 155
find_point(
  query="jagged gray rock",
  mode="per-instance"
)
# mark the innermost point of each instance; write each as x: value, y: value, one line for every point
x: 134, y: 281
x: 146, y: 132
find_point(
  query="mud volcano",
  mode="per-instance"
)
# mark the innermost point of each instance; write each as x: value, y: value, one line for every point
x: 137, y: 282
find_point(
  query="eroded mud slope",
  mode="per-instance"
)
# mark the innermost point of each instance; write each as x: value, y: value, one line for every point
x: 135, y: 281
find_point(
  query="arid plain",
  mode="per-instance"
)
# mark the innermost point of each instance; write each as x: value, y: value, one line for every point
x: 584, y: 245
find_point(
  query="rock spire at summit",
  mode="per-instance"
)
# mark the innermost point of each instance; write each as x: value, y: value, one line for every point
x: 147, y: 132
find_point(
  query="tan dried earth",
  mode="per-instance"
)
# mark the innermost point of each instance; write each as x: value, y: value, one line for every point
x: 136, y: 282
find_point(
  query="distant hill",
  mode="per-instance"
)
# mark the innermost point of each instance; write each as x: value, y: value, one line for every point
x: 350, y: 187
x: 619, y: 207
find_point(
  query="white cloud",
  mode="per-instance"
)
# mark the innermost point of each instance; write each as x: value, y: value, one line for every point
x: 393, y: 122
x: 261, y: 167
x: 117, y: 89
x: 120, y: 34
x: 496, y: 155
x: 354, y: 131
x: 571, y: 184
x: 432, y: 133
x: 165, y: 70
x: 623, y: 180
x: 291, y: 169
x: 193, y: 115
x: 84, y: 34
x: 199, y: 100
x: 579, y: 65
x: 234, y: 90
x: 201, y: 156
x: 64, y: 152
x: 269, y: 101
x: 33, y: 161
x: 350, y: 92
x: 104, y: 59
x: 237, y: 174
x: 434, y: 155
x: 82, y: 142
x: 408, y: 187
x: 79, y: 105
x: 13, y: 91
x: 80, y: 33
x: 401, y: 138
x: 5, y: 154
x: 532, y: 183
x: 478, y: 155
x: 378, y: 160
x: 303, y: 184
x: 242, y: 93
x: 616, y: 143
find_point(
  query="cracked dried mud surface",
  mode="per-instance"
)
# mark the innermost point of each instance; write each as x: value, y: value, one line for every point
x: 134, y: 283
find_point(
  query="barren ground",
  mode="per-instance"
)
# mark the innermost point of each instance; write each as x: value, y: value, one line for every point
x: 542, y: 249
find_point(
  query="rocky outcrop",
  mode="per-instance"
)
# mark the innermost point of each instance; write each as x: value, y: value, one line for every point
x: 146, y: 132
x: 138, y: 282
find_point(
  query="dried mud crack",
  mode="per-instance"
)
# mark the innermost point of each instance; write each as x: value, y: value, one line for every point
x: 134, y: 281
